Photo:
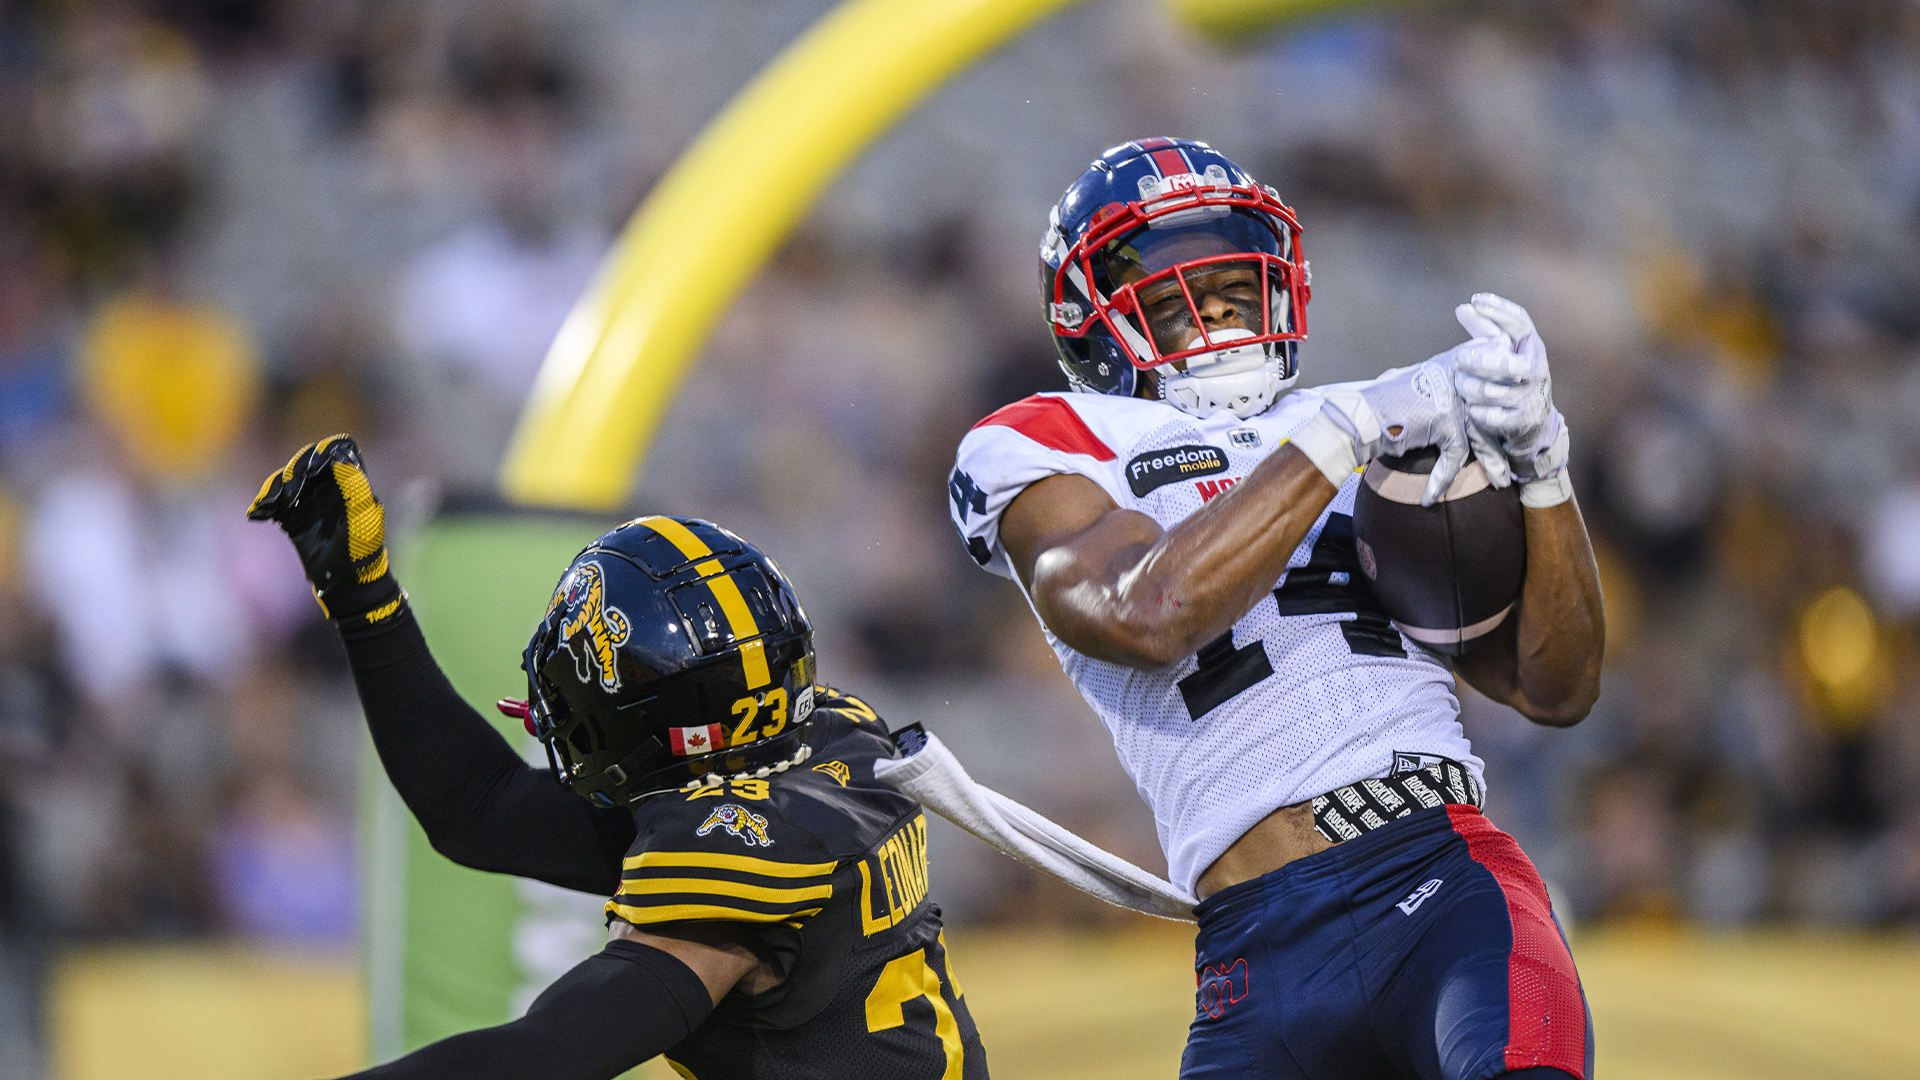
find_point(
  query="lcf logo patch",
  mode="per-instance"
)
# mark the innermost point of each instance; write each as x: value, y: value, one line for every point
x: 1157, y: 468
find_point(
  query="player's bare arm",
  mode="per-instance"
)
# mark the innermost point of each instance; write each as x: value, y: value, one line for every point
x: 1546, y: 662
x: 1112, y: 584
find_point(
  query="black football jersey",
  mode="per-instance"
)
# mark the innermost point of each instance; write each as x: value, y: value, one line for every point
x: 829, y: 868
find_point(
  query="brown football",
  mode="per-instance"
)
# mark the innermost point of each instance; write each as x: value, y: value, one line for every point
x: 1449, y: 573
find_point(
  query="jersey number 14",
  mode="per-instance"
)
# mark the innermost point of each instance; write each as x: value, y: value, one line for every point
x: 1330, y: 584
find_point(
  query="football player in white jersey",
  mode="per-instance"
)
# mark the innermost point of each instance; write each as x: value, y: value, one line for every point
x: 1180, y: 521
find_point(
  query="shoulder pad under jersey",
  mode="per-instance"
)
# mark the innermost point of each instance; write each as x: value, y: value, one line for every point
x: 1015, y: 446
x: 722, y: 853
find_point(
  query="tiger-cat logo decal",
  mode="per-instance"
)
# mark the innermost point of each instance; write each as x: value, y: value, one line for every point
x: 598, y: 629
x: 738, y: 821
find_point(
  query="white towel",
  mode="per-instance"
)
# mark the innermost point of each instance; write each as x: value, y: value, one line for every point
x: 936, y: 778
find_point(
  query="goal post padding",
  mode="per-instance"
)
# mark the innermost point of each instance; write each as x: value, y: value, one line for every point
x: 450, y: 949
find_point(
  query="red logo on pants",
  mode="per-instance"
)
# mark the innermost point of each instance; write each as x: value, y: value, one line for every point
x: 1221, y: 988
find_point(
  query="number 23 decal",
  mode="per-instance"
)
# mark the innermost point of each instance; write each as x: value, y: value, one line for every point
x: 748, y: 710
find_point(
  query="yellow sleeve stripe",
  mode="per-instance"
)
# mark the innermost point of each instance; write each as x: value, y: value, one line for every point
x: 716, y: 861
x: 717, y: 887
x: 641, y: 916
x: 678, y: 535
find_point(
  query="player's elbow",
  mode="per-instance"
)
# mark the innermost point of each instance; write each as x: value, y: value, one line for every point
x: 455, y: 845
x: 1151, y: 636
x: 1148, y: 654
x: 1094, y: 621
x: 1558, y: 688
x: 1567, y: 709
x: 460, y: 841
x: 1144, y: 643
x: 1560, y: 716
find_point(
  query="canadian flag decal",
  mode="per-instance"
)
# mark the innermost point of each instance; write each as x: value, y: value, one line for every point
x: 688, y: 741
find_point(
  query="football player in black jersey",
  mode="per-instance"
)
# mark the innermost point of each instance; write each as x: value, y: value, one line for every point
x: 769, y: 913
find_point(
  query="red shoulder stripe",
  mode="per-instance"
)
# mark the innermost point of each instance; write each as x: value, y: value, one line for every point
x: 1050, y: 422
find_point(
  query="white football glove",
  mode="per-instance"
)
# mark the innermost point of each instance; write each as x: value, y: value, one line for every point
x: 1502, y: 377
x: 1404, y: 409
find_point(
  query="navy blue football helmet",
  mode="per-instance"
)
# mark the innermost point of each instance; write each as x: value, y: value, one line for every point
x: 1140, y: 243
x: 672, y: 653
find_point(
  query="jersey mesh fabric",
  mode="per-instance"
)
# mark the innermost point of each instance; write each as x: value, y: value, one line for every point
x: 1296, y: 704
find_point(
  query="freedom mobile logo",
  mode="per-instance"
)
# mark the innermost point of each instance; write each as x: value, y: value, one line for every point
x: 1157, y: 468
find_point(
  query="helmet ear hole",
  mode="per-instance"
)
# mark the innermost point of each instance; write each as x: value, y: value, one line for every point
x: 706, y: 627
x: 757, y: 600
x: 580, y: 740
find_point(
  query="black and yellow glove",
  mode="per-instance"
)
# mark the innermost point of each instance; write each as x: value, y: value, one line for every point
x: 323, y: 501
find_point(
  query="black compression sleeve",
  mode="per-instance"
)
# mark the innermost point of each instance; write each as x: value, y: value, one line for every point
x: 480, y: 804
x: 613, y: 1011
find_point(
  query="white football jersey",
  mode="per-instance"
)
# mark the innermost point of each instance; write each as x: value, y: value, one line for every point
x: 1312, y: 690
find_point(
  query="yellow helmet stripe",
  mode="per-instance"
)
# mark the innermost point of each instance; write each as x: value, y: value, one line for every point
x: 265, y: 486
x: 753, y: 660
x: 678, y: 535
x: 753, y: 655
x: 727, y: 592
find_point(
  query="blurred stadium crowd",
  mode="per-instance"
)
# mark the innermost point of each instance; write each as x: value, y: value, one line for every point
x: 228, y: 227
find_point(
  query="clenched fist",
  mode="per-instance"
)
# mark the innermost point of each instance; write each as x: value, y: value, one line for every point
x: 326, y: 506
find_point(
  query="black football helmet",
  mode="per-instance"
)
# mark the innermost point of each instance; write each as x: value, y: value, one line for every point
x: 673, y: 652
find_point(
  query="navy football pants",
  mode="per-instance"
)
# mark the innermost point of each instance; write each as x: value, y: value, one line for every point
x: 1423, y: 949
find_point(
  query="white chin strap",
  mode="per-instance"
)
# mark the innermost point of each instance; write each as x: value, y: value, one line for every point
x: 1243, y: 379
